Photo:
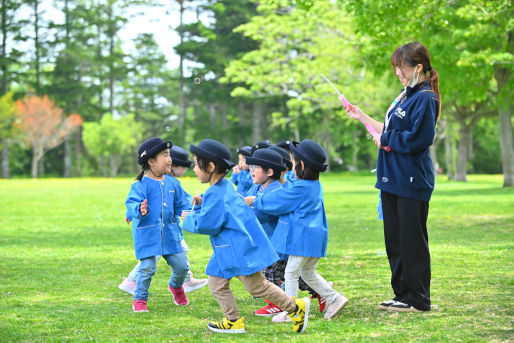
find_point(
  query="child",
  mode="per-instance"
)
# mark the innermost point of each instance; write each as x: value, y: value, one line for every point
x: 260, y: 145
x: 286, y: 158
x: 302, y: 231
x: 152, y: 203
x: 285, y: 145
x: 275, y: 272
x: 179, y: 166
x: 240, y: 173
x: 241, y: 248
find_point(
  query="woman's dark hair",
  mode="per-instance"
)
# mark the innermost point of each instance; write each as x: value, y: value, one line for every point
x: 415, y: 53
x: 308, y: 173
x: 203, y: 164
x: 144, y: 167
x: 276, y: 173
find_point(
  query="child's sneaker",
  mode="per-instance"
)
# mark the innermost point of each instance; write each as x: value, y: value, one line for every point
x: 194, y: 284
x: 139, y: 305
x: 336, y: 307
x: 300, y: 316
x: 269, y: 310
x: 128, y: 286
x: 322, y: 303
x: 179, y: 297
x: 281, y: 318
x: 227, y: 326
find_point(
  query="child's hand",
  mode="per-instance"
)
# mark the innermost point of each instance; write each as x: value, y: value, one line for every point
x: 197, y: 200
x: 249, y: 200
x: 184, y: 214
x: 127, y: 220
x: 236, y: 170
x: 143, y: 208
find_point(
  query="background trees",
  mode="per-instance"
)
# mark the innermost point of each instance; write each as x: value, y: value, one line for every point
x: 257, y: 66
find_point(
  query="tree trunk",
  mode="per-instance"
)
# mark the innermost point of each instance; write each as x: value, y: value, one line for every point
x: 111, y: 58
x: 5, y: 161
x: 37, y: 160
x: 78, y: 152
x: 67, y: 157
x: 257, y: 121
x: 102, y: 166
x: 4, y: 29
x: 114, y: 164
x: 181, y: 95
x: 449, y: 148
x: 506, y: 145
x: 463, y: 152
x: 36, y: 46
x: 355, y: 151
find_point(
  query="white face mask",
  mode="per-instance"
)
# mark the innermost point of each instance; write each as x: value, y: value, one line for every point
x: 414, y: 78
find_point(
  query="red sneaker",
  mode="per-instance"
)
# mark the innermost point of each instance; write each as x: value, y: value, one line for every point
x: 269, y: 310
x: 179, y: 297
x: 322, y: 303
x: 139, y: 305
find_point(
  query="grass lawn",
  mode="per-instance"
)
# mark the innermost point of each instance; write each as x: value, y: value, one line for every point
x: 65, y: 247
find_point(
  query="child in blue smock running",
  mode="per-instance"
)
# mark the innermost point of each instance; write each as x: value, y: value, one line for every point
x: 240, y: 246
x: 179, y: 165
x: 241, y: 177
x: 302, y: 231
x: 152, y: 203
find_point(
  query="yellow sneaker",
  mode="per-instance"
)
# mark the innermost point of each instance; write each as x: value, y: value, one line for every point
x: 227, y: 326
x: 300, y: 317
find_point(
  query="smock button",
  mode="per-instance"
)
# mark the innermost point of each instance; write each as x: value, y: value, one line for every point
x: 164, y: 204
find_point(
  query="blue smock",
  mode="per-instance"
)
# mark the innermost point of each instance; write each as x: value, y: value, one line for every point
x: 243, y: 181
x: 155, y: 234
x: 268, y: 221
x: 240, y: 245
x: 302, y: 228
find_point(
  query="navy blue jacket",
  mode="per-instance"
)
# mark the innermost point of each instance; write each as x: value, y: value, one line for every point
x: 407, y: 169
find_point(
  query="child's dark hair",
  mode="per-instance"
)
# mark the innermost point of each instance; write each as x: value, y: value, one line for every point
x: 144, y: 167
x: 308, y: 173
x: 276, y: 173
x: 203, y: 164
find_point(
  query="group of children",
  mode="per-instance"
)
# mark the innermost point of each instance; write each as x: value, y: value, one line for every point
x: 270, y: 232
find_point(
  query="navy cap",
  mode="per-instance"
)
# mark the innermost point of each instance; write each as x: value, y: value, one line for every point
x: 267, y: 158
x: 245, y: 151
x: 284, y: 144
x: 311, y: 153
x: 261, y: 145
x: 150, y: 148
x: 180, y: 156
x: 285, y: 156
x: 213, y: 151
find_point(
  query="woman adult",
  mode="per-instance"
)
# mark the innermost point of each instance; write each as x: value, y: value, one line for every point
x: 405, y: 175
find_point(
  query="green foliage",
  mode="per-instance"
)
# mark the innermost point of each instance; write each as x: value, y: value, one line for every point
x: 63, y: 260
x: 8, y: 110
x: 112, y: 136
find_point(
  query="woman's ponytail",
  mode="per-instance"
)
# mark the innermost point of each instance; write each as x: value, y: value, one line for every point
x: 434, y: 84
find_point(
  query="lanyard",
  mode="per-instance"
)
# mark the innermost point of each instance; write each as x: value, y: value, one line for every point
x: 388, y: 115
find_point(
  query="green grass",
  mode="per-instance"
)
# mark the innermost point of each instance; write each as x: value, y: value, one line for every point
x: 64, y: 248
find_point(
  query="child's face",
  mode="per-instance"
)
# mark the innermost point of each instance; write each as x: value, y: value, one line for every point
x: 161, y: 163
x: 259, y: 176
x: 203, y: 176
x: 242, y: 162
x: 178, y: 171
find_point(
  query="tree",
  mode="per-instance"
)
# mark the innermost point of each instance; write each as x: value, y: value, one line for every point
x: 8, y: 112
x: 44, y: 125
x: 112, y: 138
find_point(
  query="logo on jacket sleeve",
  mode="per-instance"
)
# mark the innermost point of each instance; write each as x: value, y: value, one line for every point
x: 399, y: 113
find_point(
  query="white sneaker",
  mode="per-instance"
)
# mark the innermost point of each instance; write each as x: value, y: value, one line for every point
x: 194, y: 284
x: 128, y: 286
x: 282, y: 317
x: 334, y: 308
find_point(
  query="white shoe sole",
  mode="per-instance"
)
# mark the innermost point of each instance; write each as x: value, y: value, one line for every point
x: 226, y: 331
x: 133, y: 309
x: 194, y: 288
x: 307, y: 310
x: 125, y: 288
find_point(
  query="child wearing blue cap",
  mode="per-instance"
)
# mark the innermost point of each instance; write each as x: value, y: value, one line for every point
x: 240, y: 246
x: 152, y: 204
x: 240, y: 173
x: 289, y: 176
x: 302, y: 231
x: 179, y: 166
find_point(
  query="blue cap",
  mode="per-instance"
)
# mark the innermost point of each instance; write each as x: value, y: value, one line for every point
x: 311, y: 153
x: 180, y: 156
x: 150, y: 148
x: 285, y: 156
x: 267, y: 158
x: 245, y: 151
x: 261, y: 145
x: 213, y: 151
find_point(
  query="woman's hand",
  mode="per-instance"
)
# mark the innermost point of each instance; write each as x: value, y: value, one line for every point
x: 143, y: 208
x: 249, y: 200
x: 354, y: 112
x: 376, y: 139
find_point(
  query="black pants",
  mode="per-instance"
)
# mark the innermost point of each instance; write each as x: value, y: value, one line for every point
x: 406, y: 240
